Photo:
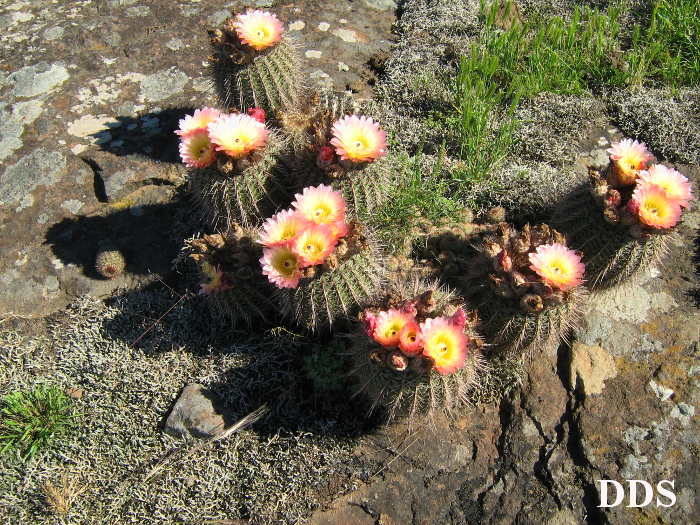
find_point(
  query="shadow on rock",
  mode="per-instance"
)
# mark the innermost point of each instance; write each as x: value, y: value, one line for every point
x: 694, y: 293
x: 151, y: 135
x: 142, y: 233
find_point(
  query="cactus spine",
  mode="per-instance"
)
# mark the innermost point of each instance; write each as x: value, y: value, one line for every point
x: 404, y: 380
x: 245, y: 77
x: 519, y: 310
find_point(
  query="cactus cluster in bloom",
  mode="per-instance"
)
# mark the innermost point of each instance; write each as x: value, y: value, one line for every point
x: 646, y: 199
x: 304, y: 236
x: 532, y: 266
x: 410, y: 339
x: 209, y: 131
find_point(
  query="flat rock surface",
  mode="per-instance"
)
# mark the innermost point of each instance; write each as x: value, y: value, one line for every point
x: 90, y: 94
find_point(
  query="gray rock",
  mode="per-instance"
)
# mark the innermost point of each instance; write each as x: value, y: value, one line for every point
x: 163, y: 84
x: 39, y: 168
x: 31, y: 81
x: 197, y: 413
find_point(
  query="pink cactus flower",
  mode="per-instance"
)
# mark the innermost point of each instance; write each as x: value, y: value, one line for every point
x: 409, y: 339
x: 654, y: 208
x: 358, y: 139
x: 677, y: 186
x: 445, y: 344
x: 389, y: 325
x: 281, y: 265
x: 259, y: 29
x: 283, y: 227
x: 313, y: 244
x: 216, y: 279
x: 198, y: 121
x: 237, y: 135
x: 197, y: 150
x: 558, y: 266
x: 321, y: 204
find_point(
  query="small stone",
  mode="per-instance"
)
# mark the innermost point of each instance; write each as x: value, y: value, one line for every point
x: 347, y: 35
x: 324, y: 26
x: 590, y: 366
x: 197, y: 413
x: 74, y: 393
x: 342, y: 66
x: 297, y: 26
x: 312, y: 53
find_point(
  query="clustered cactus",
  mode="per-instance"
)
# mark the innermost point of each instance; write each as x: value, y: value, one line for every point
x: 291, y: 180
x: 418, y: 351
x: 622, y: 218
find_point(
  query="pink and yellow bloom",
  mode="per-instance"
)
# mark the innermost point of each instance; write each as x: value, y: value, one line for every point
x: 321, y: 204
x: 388, y: 325
x: 314, y: 244
x: 237, y: 135
x: 445, y: 344
x: 409, y: 339
x: 198, y: 121
x: 281, y: 265
x: 677, y: 186
x: 358, y: 139
x: 216, y: 279
x: 654, y: 207
x: 259, y: 29
x: 627, y: 158
x: 197, y: 150
x: 558, y: 266
x: 283, y: 227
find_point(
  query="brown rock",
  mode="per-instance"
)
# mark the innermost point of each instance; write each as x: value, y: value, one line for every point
x: 197, y: 413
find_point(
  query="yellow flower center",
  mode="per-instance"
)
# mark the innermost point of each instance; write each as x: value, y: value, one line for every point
x: 359, y: 145
x: 260, y: 33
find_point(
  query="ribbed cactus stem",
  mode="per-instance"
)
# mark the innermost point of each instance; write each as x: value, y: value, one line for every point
x: 243, y: 77
x: 240, y: 191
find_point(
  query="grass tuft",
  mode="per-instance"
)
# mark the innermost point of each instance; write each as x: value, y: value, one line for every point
x: 30, y: 418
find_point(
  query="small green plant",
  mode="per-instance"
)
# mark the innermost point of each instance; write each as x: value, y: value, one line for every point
x: 418, y: 195
x: 325, y: 366
x: 31, y: 417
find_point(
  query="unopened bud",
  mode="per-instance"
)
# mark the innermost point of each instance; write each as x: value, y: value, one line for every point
x: 325, y: 158
x: 258, y: 114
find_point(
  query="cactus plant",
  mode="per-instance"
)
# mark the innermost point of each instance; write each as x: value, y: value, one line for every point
x: 527, y: 288
x: 109, y: 261
x: 350, y: 275
x: 241, y: 182
x: 418, y: 352
x: 233, y: 282
x: 624, y: 218
x: 248, y: 71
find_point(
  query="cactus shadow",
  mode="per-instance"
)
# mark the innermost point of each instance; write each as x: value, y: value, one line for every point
x: 694, y: 293
x: 247, y: 367
x: 144, y: 235
x: 149, y: 135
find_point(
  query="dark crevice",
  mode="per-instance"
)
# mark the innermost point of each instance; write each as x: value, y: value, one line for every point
x: 98, y: 182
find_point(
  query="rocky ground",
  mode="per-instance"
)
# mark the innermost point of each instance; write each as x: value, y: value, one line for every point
x: 90, y: 94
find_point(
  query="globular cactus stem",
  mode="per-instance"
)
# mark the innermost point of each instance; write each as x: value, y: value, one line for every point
x: 527, y: 287
x: 264, y: 72
x: 109, y: 262
x: 417, y: 353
